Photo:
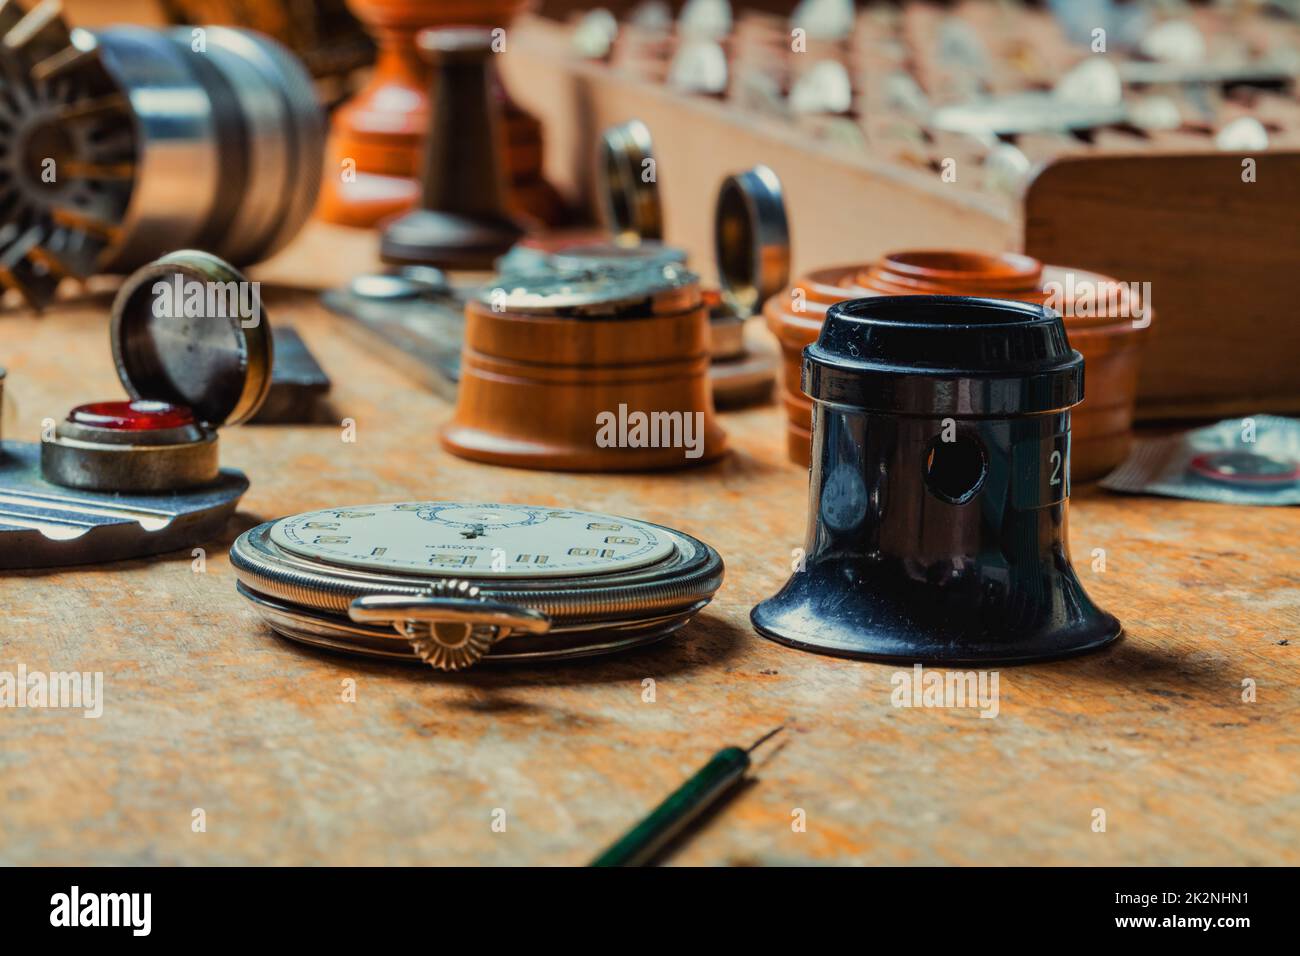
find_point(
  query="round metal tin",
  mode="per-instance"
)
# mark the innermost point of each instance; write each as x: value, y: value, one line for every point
x: 1245, y: 469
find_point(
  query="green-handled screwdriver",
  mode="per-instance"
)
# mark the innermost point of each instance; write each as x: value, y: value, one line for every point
x: 643, y: 842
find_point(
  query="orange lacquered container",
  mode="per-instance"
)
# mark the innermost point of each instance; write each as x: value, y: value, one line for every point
x: 537, y: 379
x: 1104, y: 319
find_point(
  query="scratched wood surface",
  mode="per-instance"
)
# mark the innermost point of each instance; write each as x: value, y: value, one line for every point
x: 206, y: 708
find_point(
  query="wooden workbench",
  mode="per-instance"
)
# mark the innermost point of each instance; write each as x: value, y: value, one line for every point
x: 206, y: 708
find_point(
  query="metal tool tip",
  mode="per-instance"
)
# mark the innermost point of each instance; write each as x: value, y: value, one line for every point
x: 763, y: 739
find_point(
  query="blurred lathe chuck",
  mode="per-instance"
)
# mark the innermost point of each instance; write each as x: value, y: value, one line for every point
x: 124, y: 144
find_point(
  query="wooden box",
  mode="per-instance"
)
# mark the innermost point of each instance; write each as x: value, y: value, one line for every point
x: 1214, y: 248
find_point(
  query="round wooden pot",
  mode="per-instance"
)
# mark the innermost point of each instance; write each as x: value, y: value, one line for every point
x: 381, y: 130
x: 539, y: 385
x: 1102, y: 426
x: 795, y: 317
x: 1106, y: 335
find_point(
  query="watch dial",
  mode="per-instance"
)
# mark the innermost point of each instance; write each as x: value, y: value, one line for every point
x: 454, y: 539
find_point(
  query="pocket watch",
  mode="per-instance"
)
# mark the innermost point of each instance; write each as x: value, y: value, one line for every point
x: 451, y: 583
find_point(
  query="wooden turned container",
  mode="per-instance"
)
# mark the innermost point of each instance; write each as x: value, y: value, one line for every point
x: 381, y: 130
x: 795, y: 316
x: 1107, y: 330
x: 550, y: 363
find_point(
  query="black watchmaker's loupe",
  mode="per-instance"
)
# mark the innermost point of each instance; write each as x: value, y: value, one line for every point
x: 939, y: 488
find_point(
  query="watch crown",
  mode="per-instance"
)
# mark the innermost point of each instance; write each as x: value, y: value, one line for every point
x: 451, y: 645
x: 450, y: 625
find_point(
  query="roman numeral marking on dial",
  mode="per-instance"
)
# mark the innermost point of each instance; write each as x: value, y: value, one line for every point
x: 529, y: 558
x: 612, y: 539
x: 591, y: 552
x: 602, y: 526
x: 333, y: 538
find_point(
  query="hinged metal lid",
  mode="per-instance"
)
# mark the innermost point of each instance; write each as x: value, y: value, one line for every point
x: 189, y: 329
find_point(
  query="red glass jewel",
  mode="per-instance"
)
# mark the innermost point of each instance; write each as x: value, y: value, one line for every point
x: 137, y: 416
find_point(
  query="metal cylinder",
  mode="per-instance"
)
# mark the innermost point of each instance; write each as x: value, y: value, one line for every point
x: 124, y: 144
x: 751, y: 239
x: 99, y: 459
x: 229, y: 141
x: 628, y: 182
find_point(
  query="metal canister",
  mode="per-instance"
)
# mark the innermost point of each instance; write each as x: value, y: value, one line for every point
x: 192, y: 360
x: 939, y: 487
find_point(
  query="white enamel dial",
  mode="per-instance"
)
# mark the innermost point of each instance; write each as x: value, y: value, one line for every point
x: 454, y: 539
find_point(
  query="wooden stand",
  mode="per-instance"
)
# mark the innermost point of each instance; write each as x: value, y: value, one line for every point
x: 462, y: 222
x: 376, y: 140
